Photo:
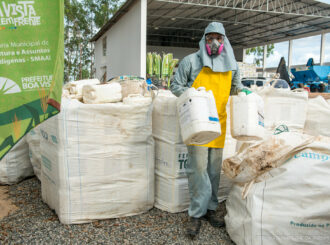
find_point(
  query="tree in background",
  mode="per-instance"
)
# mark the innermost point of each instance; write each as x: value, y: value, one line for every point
x: 83, y: 18
x: 76, y: 51
x: 103, y: 10
x: 258, y: 53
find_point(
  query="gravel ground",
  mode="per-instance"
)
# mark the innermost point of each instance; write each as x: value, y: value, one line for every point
x: 35, y: 223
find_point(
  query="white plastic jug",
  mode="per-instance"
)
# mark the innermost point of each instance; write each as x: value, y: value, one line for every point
x: 198, y: 116
x: 247, y: 117
x: 101, y: 93
x: 285, y: 107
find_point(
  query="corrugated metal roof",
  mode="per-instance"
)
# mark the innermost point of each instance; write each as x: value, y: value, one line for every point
x: 248, y: 23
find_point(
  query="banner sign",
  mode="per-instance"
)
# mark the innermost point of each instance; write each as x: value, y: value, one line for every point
x: 31, y: 66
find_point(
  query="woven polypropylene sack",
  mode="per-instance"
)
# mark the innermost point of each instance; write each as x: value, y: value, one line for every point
x: 290, y: 206
x: 98, y: 161
x: 15, y: 165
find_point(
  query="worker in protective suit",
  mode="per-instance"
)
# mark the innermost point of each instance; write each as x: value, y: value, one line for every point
x: 215, y: 68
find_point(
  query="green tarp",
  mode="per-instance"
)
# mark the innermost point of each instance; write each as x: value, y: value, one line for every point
x: 31, y: 65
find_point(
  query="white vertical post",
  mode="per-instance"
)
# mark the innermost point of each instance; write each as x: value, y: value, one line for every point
x: 143, y: 54
x: 290, y: 55
x: 244, y: 56
x: 264, y: 61
x: 322, y: 49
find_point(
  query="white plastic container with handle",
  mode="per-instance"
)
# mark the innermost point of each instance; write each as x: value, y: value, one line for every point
x: 247, y: 117
x: 285, y: 107
x: 198, y: 116
x: 101, y: 93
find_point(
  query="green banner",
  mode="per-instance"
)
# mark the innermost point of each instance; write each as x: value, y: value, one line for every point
x: 31, y: 66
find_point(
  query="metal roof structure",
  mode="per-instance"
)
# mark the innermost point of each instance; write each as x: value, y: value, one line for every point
x: 248, y: 23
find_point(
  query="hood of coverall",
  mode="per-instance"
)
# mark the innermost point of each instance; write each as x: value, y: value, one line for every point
x: 218, y: 63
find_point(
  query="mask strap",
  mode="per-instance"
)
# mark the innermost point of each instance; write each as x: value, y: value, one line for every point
x: 220, y: 49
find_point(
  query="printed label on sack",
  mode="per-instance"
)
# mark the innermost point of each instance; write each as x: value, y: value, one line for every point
x: 45, y: 135
x: 54, y: 139
x: 281, y: 129
x: 46, y: 162
x: 312, y: 156
x: 173, y: 161
x: 309, y: 225
x: 182, y: 159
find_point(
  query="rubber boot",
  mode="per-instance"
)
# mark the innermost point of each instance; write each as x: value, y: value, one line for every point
x: 193, y: 227
x: 210, y: 216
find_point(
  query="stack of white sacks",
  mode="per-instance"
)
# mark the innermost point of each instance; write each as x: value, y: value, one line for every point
x: 171, y: 183
x: 283, y: 170
x: 98, y: 159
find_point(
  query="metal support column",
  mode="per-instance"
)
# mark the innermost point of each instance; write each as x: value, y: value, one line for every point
x: 290, y: 55
x: 264, y: 61
x: 322, y: 49
x: 244, y: 55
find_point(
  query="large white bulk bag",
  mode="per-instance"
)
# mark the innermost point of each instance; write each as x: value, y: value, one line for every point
x: 165, y: 122
x: 15, y: 165
x: 171, y: 159
x: 284, y: 107
x: 33, y: 140
x: 171, y: 183
x: 198, y: 116
x: 247, y: 117
x: 318, y: 117
x: 98, y: 161
x: 101, y: 93
x: 171, y: 194
x: 289, y: 206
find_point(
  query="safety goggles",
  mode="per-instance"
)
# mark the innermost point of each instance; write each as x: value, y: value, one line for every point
x: 209, y: 38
